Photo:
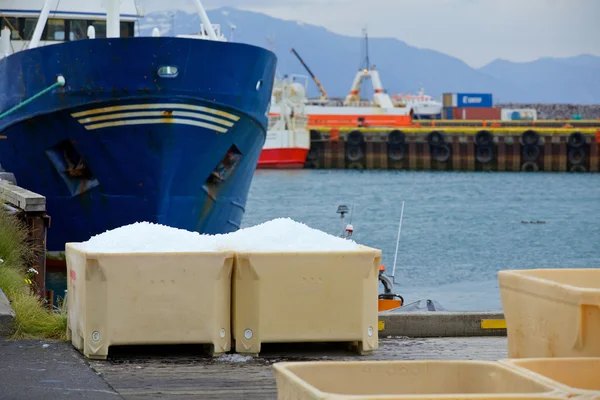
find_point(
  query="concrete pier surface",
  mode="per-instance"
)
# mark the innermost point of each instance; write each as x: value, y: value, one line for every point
x: 49, y: 370
x: 30, y: 370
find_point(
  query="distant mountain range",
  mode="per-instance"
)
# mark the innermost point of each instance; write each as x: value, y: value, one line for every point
x: 335, y: 58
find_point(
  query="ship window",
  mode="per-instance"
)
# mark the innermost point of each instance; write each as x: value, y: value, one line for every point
x: 168, y: 72
x: 127, y: 29
x: 12, y: 24
x: 78, y: 30
x: 54, y: 30
x: 28, y: 26
x: 100, y: 27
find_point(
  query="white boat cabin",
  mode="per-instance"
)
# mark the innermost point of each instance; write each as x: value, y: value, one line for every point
x: 68, y: 20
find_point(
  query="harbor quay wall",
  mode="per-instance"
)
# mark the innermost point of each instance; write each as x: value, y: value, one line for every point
x: 531, y: 148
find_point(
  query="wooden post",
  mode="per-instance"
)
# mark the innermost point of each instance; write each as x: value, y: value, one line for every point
x: 50, y: 298
x: 38, y: 225
x: 316, y: 148
x: 501, y: 157
x: 470, y: 153
x: 456, y: 156
x: 426, y: 156
x: 548, y: 153
x: 32, y: 210
x: 562, y: 155
x: 594, y: 144
x: 370, y: 156
x: 516, y: 161
x: 383, y: 155
x: 341, y: 155
x: 327, y: 155
x: 412, y: 153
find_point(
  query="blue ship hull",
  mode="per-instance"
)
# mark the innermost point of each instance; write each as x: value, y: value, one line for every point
x: 119, y: 143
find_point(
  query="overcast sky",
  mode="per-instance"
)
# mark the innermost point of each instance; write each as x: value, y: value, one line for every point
x: 476, y: 31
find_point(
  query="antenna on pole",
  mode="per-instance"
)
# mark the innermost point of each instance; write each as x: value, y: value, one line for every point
x: 397, y: 243
x: 368, y: 66
x: 271, y: 41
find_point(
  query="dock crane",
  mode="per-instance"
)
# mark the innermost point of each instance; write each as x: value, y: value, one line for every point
x: 321, y: 88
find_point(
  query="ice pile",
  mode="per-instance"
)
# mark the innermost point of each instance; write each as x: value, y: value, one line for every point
x: 277, y: 235
x: 144, y: 237
x: 284, y: 234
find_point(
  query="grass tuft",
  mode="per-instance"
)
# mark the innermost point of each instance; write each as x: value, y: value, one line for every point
x: 33, y: 320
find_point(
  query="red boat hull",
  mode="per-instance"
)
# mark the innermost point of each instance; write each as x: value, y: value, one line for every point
x: 290, y: 158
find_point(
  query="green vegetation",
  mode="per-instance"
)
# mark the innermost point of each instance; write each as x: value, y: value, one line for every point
x: 33, y: 320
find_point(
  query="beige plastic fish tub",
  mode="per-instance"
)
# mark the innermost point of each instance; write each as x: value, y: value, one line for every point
x: 148, y: 298
x: 551, y: 312
x: 299, y: 297
x: 374, y: 380
x: 579, y: 376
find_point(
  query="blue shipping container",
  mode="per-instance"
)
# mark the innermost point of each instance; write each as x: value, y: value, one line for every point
x: 447, y: 112
x: 474, y: 100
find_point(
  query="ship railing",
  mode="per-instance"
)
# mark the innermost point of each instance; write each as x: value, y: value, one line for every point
x: 272, y: 122
x: 300, y: 121
x: 30, y: 208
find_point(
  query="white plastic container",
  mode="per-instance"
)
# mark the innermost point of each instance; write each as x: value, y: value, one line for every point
x: 148, y: 298
x: 373, y: 380
x: 286, y: 297
x: 551, y: 312
x: 578, y: 376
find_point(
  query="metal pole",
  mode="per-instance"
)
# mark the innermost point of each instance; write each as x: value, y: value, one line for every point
x: 41, y: 23
x: 113, y: 21
x: 204, y: 18
x: 397, y: 243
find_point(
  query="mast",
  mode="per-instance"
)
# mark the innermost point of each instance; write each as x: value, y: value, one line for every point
x: 205, y: 21
x: 113, y: 20
x: 41, y: 23
x: 368, y: 66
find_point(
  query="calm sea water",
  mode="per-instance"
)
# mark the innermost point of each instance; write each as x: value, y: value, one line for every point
x: 458, y: 230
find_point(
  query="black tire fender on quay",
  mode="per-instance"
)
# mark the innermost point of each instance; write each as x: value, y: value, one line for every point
x: 576, y: 155
x: 529, y: 166
x: 396, y: 153
x: 484, y: 138
x: 530, y: 152
x: 354, y: 153
x: 435, y: 138
x: 441, y: 153
x: 355, y: 138
x: 355, y: 165
x: 396, y: 138
x: 530, y: 137
x: 576, y: 140
x: 484, y: 154
x: 578, y: 168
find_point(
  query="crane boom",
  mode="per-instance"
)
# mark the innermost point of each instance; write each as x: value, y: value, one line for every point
x: 321, y: 88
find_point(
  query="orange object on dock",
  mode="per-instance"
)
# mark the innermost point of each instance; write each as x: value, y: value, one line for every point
x: 386, y: 305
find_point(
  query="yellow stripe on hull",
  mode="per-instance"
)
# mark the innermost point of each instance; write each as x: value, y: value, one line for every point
x: 200, y: 124
x: 167, y: 106
x: 138, y: 114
